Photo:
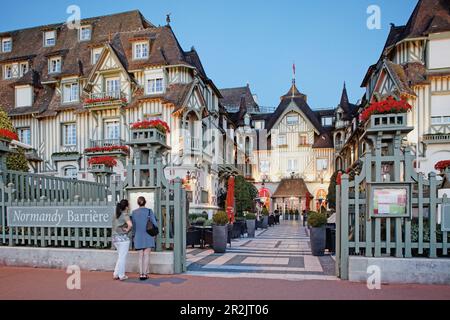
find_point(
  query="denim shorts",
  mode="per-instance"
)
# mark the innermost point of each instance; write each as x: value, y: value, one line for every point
x: 120, y: 238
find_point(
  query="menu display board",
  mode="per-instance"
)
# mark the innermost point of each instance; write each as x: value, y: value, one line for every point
x: 390, y: 201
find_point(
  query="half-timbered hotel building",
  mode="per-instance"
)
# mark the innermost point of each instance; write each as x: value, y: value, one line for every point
x: 288, y: 150
x: 415, y: 65
x: 68, y: 90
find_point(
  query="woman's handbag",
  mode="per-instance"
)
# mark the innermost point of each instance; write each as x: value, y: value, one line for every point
x: 152, y: 230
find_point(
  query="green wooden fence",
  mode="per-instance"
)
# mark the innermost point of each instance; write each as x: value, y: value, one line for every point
x: 386, y: 163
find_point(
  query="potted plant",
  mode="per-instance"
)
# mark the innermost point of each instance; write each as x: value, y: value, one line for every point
x: 251, y: 224
x: 265, y: 214
x: 296, y: 215
x: 220, y: 231
x: 317, y: 221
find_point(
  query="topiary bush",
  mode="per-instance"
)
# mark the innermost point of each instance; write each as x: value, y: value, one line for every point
x: 265, y: 211
x: 15, y: 161
x: 221, y: 218
x: 250, y: 216
x: 317, y: 219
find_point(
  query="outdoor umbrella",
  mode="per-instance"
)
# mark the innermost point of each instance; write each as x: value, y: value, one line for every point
x: 230, y: 199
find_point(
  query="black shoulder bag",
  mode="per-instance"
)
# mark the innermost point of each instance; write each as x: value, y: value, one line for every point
x: 152, y: 230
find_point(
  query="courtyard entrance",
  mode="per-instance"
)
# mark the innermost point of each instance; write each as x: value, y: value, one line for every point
x: 280, y: 252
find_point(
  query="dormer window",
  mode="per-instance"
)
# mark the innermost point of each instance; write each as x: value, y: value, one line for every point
x: 155, y: 86
x: 49, y: 38
x: 24, y: 96
x: 140, y: 50
x: 96, y: 53
x: 6, y: 44
x: 85, y: 33
x: 71, y: 92
x: 54, y: 65
x: 15, y: 70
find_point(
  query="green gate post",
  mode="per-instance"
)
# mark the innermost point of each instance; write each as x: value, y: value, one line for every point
x: 344, y: 226
x: 338, y: 230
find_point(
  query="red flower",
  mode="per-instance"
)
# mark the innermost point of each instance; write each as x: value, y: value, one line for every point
x: 147, y: 124
x: 108, y: 149
x: 105, y: 99
x: 388, y: 106
x: 107, y: 161
x: 8, y: 135
x: 442, y: 165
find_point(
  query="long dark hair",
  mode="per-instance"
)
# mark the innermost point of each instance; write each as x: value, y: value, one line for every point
x: 120, y: 207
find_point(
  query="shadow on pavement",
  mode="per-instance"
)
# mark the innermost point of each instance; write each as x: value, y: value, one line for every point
x: 157, y: 282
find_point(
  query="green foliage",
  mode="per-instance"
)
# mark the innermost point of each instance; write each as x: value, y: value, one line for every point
x: 221, y: 218
x: 297, y: 213
x: 200, y: 220
x: 15, y: 161
x: 331, y: 197
x: 317, y: 219
x: 245, y: 194
x: 265, y: 211
x: 208, y: 223
x: 250, y: 216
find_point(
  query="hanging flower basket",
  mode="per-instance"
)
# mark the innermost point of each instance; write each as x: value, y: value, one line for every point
x: 442, y: 166
x: 105, y: 99
x: 388, y: 106
x: 152, y: 124
x: 108, y: 149
x: 106, y: 161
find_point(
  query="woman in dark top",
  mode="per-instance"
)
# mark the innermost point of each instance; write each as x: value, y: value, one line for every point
x: 120, y: 237
x: 143, y: 242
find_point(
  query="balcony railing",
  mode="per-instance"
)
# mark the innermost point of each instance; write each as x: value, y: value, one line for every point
x: 107, y: 147
x: 106, y: 143
x: 106, y: 99
x: 436, y: 138
x: 191, y: 146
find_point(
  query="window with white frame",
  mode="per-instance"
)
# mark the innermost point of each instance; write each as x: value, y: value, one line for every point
x: 70, y: 172
x: 155, y: 85
x: 54, y: 65
x: 24, y: 135
x: 23, y: 68
x: 71, y: 92
x: 282, y: 140
x: 112, y: 129
x: 327, y: 121
x: 140, y: 50
x: 113, y: 87
x: 6, y: 44
x: 292, y: 165
x: 8, y: 72
x: 96, y: 53
x: 69, y: 134
x: 85, y: 33
x: 292, y: 120
x: 259, y: 125
x: 302, y: 139
x: 49, y: 38
x: 24, y: 96
x: 322, y: 164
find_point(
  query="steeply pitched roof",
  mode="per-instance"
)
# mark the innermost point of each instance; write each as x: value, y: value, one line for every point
x: 348, y: 108
x: 299, y: 99
x: 323, y: 141
x: 292, y: 188
x: 232, y: 97
x: 118, y: 31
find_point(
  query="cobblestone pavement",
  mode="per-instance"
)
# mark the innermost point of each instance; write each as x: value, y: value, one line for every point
x: 280, y: 252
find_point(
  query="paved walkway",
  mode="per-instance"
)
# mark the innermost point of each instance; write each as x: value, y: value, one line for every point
x: 280, y: 252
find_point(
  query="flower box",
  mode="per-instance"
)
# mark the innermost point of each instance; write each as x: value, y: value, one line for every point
x: 147, y: 136
x: 106, y: 161
x: 100, y: 169
x: 379, y: 122
x: 108, y: 150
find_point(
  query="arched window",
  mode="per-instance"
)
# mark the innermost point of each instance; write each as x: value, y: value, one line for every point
x: 70, y: 172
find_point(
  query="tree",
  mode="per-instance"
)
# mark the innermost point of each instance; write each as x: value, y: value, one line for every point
x: 15, y: 161
x: 245, y: 194
x: 331, y: 197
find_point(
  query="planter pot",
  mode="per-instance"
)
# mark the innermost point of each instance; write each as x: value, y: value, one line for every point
x: 318, y: 239
x: 251, y: 224
x: 265, y: 222
x: 296, y: 217
x: 220, y: 236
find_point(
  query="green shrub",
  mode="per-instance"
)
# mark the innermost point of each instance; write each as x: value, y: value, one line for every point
x: 265, y: 211
x: 317, y: 219
x: 297, y: 213
x: 250, y: 216
x: 208, y: 223
x: 200, y: 220
x: 221, y: 218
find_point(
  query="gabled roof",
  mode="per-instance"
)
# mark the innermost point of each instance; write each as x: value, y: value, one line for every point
x: 232, y: 97
x: 288, y: 188
x: 299, y: 100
